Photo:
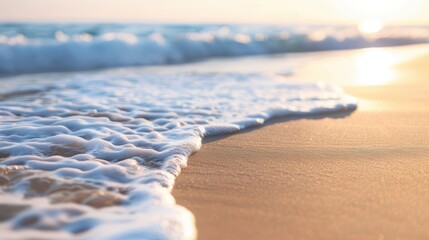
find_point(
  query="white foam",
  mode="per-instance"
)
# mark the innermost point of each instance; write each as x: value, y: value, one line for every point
x: 131, y: 131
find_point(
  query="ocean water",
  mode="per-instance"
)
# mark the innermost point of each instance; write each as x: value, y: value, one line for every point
x: 94, y: 155
x: 29, y: 48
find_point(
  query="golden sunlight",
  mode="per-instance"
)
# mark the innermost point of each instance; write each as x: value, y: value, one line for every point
x: 370, y: 26
x: 366, y: 12
x: 374, y: 66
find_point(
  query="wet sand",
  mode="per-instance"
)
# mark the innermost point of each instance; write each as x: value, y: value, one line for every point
x: 356, y: 175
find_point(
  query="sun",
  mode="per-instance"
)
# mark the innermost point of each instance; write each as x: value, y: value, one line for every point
x: 370, y: 26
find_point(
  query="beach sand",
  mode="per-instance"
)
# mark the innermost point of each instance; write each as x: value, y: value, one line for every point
x: 355, y: 175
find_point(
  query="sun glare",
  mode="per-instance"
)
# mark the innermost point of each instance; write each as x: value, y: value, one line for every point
x: 374, y: 66
x: 370, y: 26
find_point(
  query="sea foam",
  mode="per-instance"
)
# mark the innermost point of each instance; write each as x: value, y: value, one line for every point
x: 95, y: 155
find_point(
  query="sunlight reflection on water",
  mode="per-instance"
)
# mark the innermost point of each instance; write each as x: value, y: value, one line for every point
x: 364, y: 67
x: 374, y: 66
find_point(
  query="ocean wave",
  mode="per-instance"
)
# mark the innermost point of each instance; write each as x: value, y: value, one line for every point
x: 83, y: 47
x: 95, y: 155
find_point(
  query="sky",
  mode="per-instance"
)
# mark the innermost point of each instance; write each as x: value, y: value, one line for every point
x: 404, y: 12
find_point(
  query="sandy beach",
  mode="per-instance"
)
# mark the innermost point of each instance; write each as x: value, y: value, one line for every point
x: 355, y: 175
x: 214, y: 120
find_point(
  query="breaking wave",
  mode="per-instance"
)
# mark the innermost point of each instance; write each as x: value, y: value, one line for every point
x: 29, y: 48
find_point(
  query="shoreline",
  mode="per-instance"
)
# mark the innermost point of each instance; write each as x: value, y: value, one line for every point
x: 355, y: 176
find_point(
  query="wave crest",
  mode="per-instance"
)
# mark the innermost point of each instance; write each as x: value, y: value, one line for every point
x: 65, y: 51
